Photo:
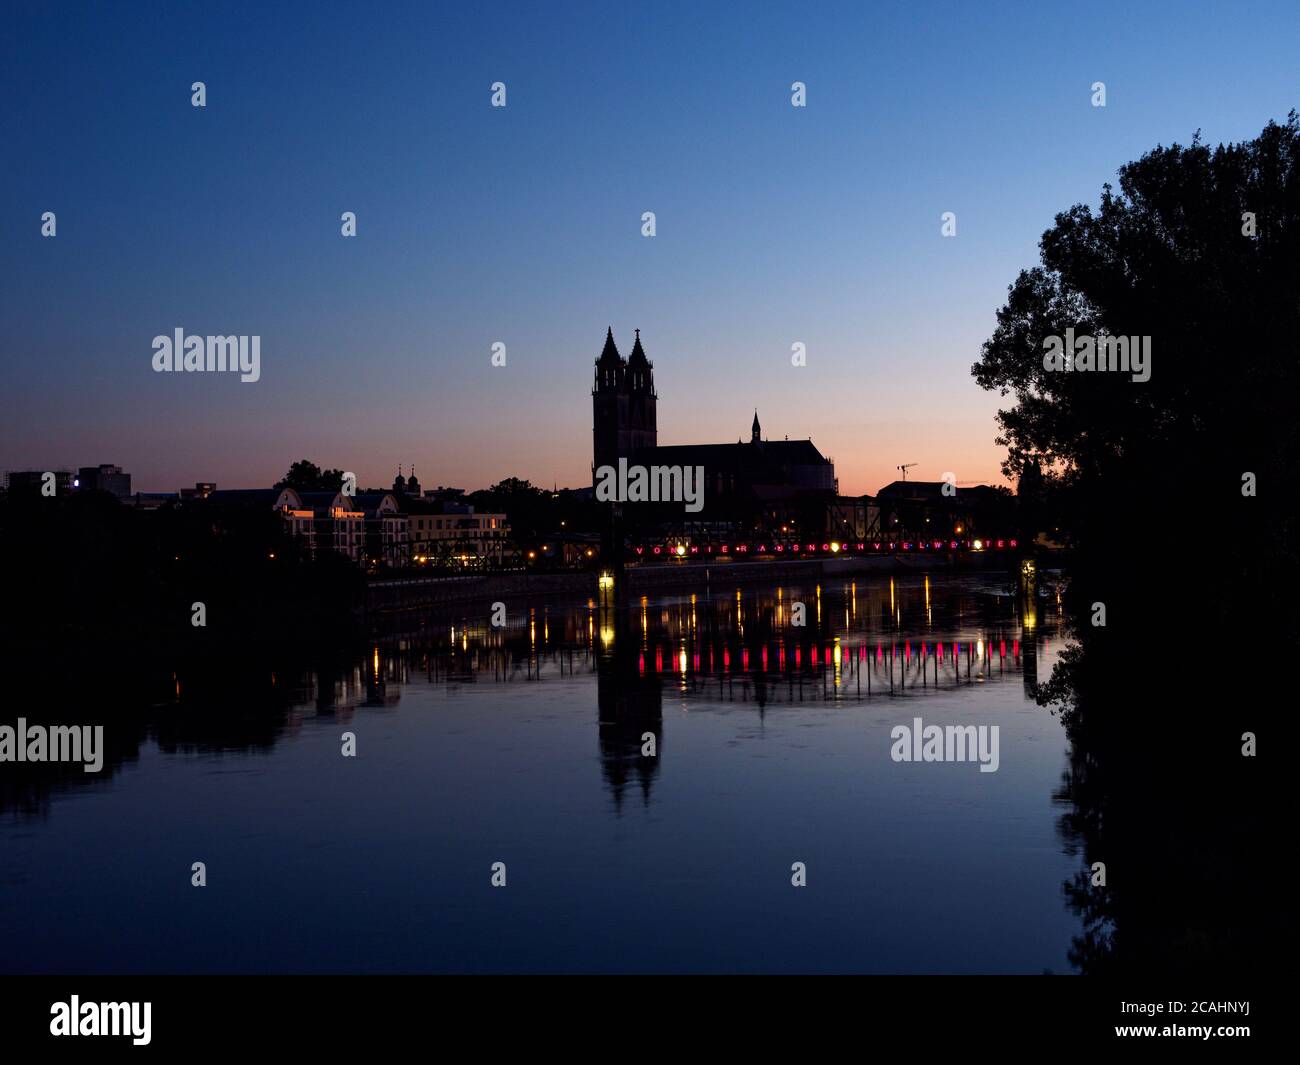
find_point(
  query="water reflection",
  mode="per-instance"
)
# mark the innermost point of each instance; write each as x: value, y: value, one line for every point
x: 724, y: 742
x: 859, y: 641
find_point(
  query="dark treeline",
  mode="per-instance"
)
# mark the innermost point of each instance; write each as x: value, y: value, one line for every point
x: 1151, y: 484
x: 536, y: 513
x: 98, y: 628
x: 89, y: 578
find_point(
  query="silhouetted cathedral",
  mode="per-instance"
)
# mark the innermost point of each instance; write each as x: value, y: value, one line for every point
x: 623, y: 403
x: 749, y: 483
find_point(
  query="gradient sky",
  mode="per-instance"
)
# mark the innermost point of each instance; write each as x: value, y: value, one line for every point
x: 522, y: 225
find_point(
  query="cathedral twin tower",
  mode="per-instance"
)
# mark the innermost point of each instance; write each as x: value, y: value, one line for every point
x: 623, y: 403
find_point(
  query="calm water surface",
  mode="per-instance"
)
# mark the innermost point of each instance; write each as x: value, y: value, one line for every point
x: 478, y: 745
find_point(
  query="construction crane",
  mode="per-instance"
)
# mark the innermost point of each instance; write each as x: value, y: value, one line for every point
x: 904, y: 468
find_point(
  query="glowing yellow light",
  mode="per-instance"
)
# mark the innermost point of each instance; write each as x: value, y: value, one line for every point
x: 979, y: 545
x: 605, y: 581
x: 681, y: 550
x: 834, y: 547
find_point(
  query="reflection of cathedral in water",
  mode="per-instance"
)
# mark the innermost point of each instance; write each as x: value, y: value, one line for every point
x: 630, y: 711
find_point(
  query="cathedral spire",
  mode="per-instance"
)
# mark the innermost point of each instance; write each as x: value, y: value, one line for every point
x: 755, y: 434
x: 610, y: 366
x: 640, y: 376
x: 638, y: 352
x: 609, y: 353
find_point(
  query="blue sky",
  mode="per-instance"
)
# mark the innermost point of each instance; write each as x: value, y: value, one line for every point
x: 522, y: 224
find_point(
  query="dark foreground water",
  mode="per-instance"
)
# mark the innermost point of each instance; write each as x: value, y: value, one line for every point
x: 523, y: 746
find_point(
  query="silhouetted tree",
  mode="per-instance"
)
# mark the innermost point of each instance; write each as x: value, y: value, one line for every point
x: 1200, y: 251
x: 306, y: 476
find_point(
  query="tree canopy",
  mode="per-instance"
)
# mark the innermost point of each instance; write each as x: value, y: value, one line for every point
x: 1199, y: 250
x: 1175, y: 494
x: 306, y: 476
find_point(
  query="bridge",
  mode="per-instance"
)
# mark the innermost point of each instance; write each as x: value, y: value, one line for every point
x: 758, y: 548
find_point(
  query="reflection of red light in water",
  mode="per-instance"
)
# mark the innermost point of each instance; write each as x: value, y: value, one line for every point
x: 907, y: 650
x: 956, y: 651
x: 938, y: 651
x: 1002, y: 649
x: 1015, y: 648
x: 862, y: 651
x: 765, y: 658
x: 659, y: 659
x: 695, y: 662
x: 726, y: 658
x: 744, y: 659
x: 780, y: 656
x: 641, y: 664
x: 798, y: 657
x: 813, y: 655
x: 880, y: 653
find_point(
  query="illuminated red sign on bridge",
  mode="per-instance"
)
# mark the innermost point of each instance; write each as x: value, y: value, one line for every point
x: 686, y: 549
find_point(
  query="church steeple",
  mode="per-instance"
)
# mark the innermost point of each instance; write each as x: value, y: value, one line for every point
x: 610, y: 351
x: 399, y: 482
x: 623, y: 404
x: 755, y: 434
x: 610, y: 366
x: 640, y: 375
